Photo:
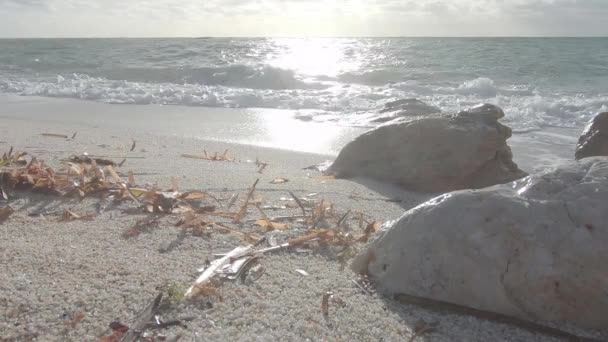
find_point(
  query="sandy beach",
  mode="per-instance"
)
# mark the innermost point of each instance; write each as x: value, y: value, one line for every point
x: 67, y: 281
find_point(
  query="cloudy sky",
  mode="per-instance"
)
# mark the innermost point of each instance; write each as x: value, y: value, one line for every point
x: 139, y: 18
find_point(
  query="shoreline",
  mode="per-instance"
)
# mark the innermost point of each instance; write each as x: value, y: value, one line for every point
x: 56, y: 271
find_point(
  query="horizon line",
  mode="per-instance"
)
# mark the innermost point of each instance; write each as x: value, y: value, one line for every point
x: 284, y: 37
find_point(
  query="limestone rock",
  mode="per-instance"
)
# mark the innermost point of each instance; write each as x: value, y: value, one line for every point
x: 435, y: 153
x: 594, y: 141
x: 405, y: 108
x: 534, y: 249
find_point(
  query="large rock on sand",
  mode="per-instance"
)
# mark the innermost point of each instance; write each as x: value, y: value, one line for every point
x: 594, y: 141
x: 434, y: 153
x: 535, y: 249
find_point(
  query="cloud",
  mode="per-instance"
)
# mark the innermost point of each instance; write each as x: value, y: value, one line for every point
x: 274, y: 17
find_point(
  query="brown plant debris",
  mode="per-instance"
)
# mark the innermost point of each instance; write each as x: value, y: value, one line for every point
x: 143, y: 225
x: 298, y: 202
x: 5, y: 213
x: 269, y: 225
x: 215, y: 157
x: 118, y: 332
x: 54, y: 135
x: 73, y: 319
x: 69, y: 215
x: 422, y: 328
x: 10, y: 159
x: 88, y: 160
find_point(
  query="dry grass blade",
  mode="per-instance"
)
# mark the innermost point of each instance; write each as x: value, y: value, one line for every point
x: 343, y: 218
x: 74, y: 135
x: 325, y: 303
x: 298, y: 202
x: 243, y: 211
x: 133, y: 146
x: 54, y: 135
x: 5, y: 213
x: 233, y: 199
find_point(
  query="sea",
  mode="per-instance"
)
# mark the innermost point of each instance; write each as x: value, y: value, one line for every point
x: 539, y: 82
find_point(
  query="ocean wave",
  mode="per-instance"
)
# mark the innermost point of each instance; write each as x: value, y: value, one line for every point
x: 235, y: 76
x: 348, y: 104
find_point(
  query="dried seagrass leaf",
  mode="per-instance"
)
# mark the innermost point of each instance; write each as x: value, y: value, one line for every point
x: 279, y: 180
x: 193, y: 196
x: 243, y: 211
x: 54, y: 135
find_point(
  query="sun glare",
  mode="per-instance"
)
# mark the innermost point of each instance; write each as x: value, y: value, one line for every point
x: 312, y: 56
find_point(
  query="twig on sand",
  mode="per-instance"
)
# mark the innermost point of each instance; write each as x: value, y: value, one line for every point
x: 490, y: 316
x: 142, y: 320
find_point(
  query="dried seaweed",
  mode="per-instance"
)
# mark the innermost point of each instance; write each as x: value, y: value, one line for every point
x: 5, y: 213
x: 143, y: 225
x: 215, y: 157
x: 88, y: 160
x: 69, y: 215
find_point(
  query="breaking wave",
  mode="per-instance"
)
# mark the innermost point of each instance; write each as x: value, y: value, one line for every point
x: 350, y: 104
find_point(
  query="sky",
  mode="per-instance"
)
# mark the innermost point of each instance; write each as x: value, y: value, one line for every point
x: 196, y: 18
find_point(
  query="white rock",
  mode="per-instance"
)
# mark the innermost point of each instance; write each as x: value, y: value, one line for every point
x: 535, y: 249
x: 434, y: 153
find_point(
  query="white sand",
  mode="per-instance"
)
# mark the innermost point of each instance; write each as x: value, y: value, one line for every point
x: 51, y: 270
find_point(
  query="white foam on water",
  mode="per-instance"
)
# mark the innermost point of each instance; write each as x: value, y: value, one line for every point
x: 348, y: 104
